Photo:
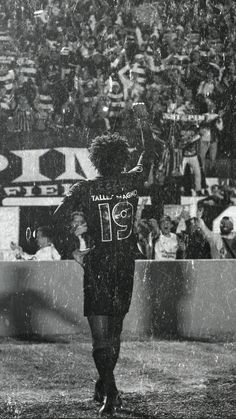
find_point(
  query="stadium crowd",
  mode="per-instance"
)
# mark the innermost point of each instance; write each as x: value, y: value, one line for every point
x: 188, y: 237
x: 82, y: 65
x: 159, y: 238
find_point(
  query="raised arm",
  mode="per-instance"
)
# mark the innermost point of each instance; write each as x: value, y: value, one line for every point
x: 206, y: 231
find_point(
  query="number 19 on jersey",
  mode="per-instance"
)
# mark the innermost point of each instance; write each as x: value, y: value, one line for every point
x: 120, y: 216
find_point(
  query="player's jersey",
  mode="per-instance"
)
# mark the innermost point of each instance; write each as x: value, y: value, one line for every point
x: 109, y: 206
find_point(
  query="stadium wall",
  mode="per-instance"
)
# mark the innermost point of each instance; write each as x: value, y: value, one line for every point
x: 183, y: 299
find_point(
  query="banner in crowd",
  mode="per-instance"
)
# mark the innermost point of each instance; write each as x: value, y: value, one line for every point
x: 188, y: 206
x: 42, y: 172
x: 163, y: 67
x: 174, y: 211
x: 184, y: 117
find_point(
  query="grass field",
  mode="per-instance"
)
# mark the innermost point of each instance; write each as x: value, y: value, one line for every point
x: 157, y: 378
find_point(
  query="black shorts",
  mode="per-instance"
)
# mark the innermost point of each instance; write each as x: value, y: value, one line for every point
x: 108, y: 283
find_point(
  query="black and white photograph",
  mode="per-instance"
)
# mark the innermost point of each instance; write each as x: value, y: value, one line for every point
x: 117, y: 209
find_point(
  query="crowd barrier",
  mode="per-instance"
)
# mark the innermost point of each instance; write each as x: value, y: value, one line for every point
x: 183, y: 299
x: 193, y: 299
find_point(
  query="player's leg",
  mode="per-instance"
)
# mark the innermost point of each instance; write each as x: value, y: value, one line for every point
x: 112, y: 398
x: 106, y: 332
x: 115, y: 329
x: 101, y: 349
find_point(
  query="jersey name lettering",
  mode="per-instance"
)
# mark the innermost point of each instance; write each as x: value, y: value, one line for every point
x: 103, y: 197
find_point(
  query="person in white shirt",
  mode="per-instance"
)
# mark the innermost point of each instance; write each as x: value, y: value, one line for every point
x: 47, y: 250
x: 167, y: 244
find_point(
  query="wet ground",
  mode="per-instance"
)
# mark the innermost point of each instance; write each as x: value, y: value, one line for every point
x: 157, y: 378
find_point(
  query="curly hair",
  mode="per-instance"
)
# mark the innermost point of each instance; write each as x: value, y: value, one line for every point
x: 109, y: 153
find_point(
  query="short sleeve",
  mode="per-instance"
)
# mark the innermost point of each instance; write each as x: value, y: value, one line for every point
x: 73, y: 201
x: 55, y: 254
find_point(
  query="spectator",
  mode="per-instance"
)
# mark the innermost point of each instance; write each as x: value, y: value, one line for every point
x: 189, y: 138
x: 166, y: 246
x: 209, y: 132
x: 190, y: 157
x: 215, y: 203
x: 78, y: 237
x: 47, y: 250
x: 216, y: 197
x: 208, y: 85
x: 117, y: 102
x: 194, y: 74
x: 24, y: 112
x: 223, y: 244
x: 148, y: 233
x: 192, y: 243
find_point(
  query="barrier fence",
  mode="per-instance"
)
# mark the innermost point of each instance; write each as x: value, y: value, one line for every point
x: 193, y: 299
